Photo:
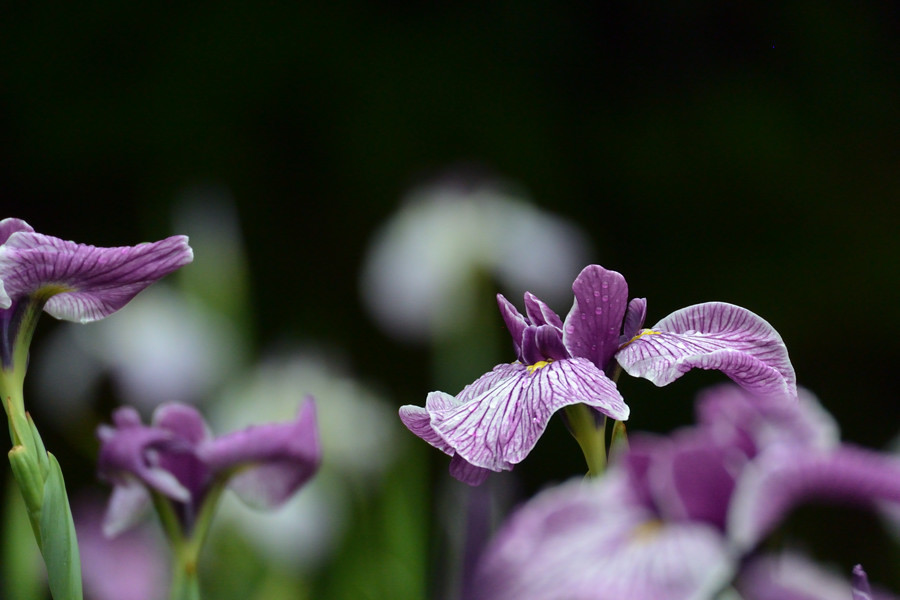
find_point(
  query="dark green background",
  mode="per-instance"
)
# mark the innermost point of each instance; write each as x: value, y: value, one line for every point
x: 713, y: 151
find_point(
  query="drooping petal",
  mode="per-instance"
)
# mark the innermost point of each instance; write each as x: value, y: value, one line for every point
x: 782, y: 478
x: 466, y: 472
x: 714, y: 335
x: 85, y: 283
x: 594, y: 323
x: 418, y: 419
x: 187, y: 425
x: 539, y: 313
x: 588, y: 541
x: 753, y: 422
x: 10, y: 226
x: 498, y: 427
x: 128, y: 503
x: 515, y: 322
x: 183, y: 420
x: 790, y: 576
x: 274, y: 459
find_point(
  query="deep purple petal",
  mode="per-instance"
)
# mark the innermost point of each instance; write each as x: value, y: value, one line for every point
x: 134, y: 450
x: 691, y: 477
x: 635, y: 315
x: 498, y: 428
x: 515, y: 322
x: 183, y: 420
x: 594, y: 323
x: 274, y: 459
x: 539, y: 313
x: 782, y: 478
x: 542, y: 343
x: 714, y: 335
x: 587, y: 541
x: 85, y: 283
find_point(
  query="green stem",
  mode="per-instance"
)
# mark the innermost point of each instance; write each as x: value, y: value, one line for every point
x: 589, y: 436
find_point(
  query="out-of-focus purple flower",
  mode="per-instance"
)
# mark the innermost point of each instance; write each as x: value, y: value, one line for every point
x: 75, y: 282
x: 133, y: 566
x: 496, y: 421
x: 178, y: 458
x: 716, y: 489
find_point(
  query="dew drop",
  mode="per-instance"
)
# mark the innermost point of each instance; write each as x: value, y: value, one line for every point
x: 583, y: 317
x: 598, y: 311
x: 570, y: 329
x: 605, y: 298
x: 605, y: 284
x: 596, y: 293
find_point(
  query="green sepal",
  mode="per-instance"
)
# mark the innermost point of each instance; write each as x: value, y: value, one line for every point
x: 20, y: 566
x: 31, y: 484
x: 40, y: 451
x: 59, y: 544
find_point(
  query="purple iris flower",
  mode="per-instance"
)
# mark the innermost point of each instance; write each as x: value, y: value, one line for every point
x: 495, y: 422
x: 675, y: 516
x: 75, y: 282
x: 177, y: 458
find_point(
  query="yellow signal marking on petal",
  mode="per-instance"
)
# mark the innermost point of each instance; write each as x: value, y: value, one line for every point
x: 646, y: 531
x: 538, y: 365
x: 640, y: 334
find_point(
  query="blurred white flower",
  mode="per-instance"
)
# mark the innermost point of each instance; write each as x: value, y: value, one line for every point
x: 359, y: 433
x: 164, y: 348
x: 422, y: 264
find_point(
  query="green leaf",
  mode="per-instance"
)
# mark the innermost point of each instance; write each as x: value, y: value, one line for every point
x: 20, y: 563
x: 58, y: 541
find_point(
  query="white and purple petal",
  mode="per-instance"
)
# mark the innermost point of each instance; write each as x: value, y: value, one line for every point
x: 269, y: 462
x: 713, y: 335
x: 790, y: 576
x: 539, y: 313
x: 591, y: 541
x: 594, y: 323
x: 80, y: 282
x: 497, y: 427
x: 782, y: 478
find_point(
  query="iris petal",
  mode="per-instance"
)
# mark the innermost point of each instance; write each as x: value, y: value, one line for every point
x: 594, y: 323
x: 714, y: 335
x: 498, y: 427
x: 85, y: 283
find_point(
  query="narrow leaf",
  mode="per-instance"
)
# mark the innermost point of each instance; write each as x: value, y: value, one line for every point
x: 58, y: 541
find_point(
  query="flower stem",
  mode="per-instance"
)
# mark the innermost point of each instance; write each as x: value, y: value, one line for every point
x: 590, y: 435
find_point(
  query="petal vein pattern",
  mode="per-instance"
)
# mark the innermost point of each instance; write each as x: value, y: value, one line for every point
x: 714, y: 335
x: 502, y: 418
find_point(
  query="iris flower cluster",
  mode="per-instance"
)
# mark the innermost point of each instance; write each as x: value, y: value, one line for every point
x: 679, y: 517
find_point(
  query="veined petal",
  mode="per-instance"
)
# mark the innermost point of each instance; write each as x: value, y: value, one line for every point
x: 594, y: 323
x: 714, y: 335
x: 10, y: 226
x: 782, y: 478
x: 498, y: 427
x: 275, y: 459
x: 85, y: 283
x: 587, y: 541
x: 418, y: 419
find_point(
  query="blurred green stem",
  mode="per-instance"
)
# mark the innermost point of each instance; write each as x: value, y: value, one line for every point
x: 590, y: 435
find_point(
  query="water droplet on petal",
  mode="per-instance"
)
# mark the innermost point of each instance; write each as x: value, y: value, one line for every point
x: 596, y: 293
x: 598, y: 311
x: 605, y: 298
x: 570, y: 329
x: 583, y: 317
x: 605, y: 284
